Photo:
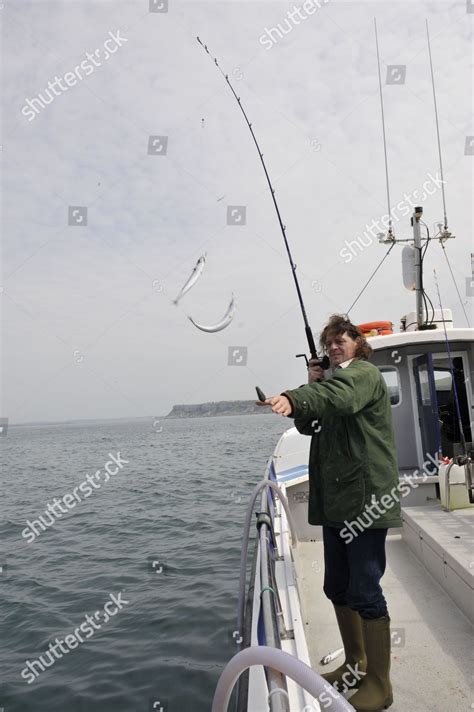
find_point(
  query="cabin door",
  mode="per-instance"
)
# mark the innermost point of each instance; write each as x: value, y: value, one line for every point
x: 427, y: 403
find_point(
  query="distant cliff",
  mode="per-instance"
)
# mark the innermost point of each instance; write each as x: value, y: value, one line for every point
x: 205, y: 410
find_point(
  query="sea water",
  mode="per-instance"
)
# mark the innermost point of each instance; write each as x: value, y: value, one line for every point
x: 135, y: 584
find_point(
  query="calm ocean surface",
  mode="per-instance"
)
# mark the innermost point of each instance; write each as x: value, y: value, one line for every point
x: 180, y: 501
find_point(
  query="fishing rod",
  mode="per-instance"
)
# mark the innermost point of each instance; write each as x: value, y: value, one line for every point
x: 324, y: 361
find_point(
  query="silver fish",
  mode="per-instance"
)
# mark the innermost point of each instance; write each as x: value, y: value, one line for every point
x: 331, y: 656
x: 195, y: 274
x: 225, y: 321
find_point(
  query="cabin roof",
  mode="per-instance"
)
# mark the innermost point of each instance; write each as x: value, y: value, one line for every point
x: 407, y: 338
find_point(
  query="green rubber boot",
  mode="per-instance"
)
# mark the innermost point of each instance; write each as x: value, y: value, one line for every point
x: 350, y: 627
x: 375, y: 692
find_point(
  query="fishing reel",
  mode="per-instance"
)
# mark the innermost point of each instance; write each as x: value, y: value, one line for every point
x: 323, y: 362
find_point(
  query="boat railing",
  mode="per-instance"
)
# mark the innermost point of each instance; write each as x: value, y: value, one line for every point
x: 270, y: 627
x: 271, y: 609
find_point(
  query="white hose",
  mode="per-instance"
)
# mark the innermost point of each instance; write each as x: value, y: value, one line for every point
x: 302, y: 674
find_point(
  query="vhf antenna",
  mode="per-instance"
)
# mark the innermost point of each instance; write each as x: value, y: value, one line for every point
x: 445, y: 234
x: 390, y: 235
x: 418, y: 251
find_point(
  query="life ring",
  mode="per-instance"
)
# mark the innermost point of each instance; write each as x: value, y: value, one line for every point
x: 374, y: 328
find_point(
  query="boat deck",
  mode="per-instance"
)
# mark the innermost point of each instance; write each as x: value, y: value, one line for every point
x: 444, y: 542
x: 432, y: 640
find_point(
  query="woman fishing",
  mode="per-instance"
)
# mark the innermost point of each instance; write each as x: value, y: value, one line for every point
x: 352, y: 472
x: 352, y: 465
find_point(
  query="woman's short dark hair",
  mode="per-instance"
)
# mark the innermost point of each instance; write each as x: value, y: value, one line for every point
x: 339, y: 324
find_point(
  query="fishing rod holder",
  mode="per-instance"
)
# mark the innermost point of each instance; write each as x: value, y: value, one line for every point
x: 467, y: 461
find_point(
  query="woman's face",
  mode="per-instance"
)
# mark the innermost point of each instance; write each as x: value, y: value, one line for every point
x: 340, y: 348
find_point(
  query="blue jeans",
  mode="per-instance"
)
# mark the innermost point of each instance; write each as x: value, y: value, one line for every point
x: 353, y: 571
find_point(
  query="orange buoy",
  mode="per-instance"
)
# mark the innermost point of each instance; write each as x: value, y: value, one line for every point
x: 376, y: 328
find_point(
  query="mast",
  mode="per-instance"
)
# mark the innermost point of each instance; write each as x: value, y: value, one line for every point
x: 417, y: 243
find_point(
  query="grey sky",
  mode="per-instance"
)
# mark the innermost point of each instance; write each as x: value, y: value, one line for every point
x: 89, y: 330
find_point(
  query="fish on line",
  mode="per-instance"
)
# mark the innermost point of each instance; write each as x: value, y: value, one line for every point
x: 193, y: 278
x: 222, y: 324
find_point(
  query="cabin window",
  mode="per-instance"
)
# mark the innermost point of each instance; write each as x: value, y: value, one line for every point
x: 392, y: 379
x: 424, y: 385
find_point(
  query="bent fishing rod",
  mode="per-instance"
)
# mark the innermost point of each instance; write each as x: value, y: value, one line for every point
x: 324, y: 361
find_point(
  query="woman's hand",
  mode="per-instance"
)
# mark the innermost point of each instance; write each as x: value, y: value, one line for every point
x: 280, y: 405
x: 315, y: 372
